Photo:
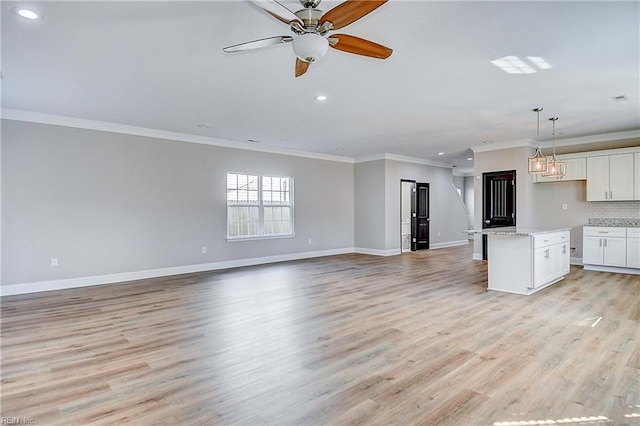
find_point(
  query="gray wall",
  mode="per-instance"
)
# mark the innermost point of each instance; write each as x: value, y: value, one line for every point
x: 469, y: 199
x: 448, y: 218
x: 370, y: 205
x: 537, y: 204
x: 107, y: 203
x: 377, y: 195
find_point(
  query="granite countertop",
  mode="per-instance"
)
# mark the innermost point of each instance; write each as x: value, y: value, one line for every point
x: 615, y: 222
x: 518, y: 231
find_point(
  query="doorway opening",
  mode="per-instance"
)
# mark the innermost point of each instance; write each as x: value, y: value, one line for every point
x: 414, y: 215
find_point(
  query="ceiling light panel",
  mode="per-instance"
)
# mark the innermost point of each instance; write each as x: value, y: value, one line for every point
x: 539, y: 62
x: 515, y: 65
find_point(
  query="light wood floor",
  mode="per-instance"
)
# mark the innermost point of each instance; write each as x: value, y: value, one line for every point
x: 351, y: 339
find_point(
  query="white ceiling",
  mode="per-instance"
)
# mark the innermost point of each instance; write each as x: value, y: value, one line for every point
x: 160, y: 65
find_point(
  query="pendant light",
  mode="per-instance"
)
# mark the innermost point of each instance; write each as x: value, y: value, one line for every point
x: 538, y: 163
x: 555, y: 168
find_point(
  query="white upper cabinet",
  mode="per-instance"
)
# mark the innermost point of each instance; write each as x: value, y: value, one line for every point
x: 636, y: 176
x: 576, y: 170
x: 610, y: 177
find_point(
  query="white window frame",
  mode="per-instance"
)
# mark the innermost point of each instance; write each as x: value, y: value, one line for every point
x: 261, y: 206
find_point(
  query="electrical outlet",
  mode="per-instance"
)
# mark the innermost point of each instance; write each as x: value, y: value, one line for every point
x: 204, y: 250
x: 54, y: 262
x: 564, y: 206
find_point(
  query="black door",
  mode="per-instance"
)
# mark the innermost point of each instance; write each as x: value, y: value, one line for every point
x: 420, y: 232
x: 498, y: 202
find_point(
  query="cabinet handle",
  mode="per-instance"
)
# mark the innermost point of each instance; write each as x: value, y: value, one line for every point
x: 606, y: 195
x: 611, y: 195
x: 564, y: 249
x: 546, y: 254
x: 600, y: 242
x: 605, y: 242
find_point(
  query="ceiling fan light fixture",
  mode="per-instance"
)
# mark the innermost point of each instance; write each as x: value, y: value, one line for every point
x: 310, y: 47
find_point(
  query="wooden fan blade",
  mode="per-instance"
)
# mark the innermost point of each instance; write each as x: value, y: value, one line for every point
x: 257, y: 44
x: 301, y: 67
x: 277, y: 10
x: 359, y: 46
x: 350, y: 11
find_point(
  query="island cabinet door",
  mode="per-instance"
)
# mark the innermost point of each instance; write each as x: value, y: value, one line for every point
x: 561, y: 259
x: 543, y: 266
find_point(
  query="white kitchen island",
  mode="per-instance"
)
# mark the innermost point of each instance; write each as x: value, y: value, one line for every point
x: 526, y: 260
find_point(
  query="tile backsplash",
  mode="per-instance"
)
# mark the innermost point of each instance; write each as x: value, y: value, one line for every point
x: 615, y: 209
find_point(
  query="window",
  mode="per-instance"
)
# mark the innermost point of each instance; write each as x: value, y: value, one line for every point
x: 258, y: 206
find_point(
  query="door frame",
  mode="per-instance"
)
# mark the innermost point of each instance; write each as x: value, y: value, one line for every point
x: 418, y: 244
x: 412, y: 213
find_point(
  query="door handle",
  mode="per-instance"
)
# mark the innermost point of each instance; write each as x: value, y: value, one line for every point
x: 487, y: 221
x: 428, y: 219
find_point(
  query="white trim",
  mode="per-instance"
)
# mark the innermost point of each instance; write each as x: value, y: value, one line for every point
x: 477, y: 256
x: 580, y: 140
x: 377, y: 252
x: 587, y: 154
x: 402, y: 158
x: 576, y: 261
x: 616, y: 269
x: 79, y: 123
x: 36, y: 287
x: 449, y: 244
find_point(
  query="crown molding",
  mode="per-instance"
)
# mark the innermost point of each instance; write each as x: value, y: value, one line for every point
x: 403, y: 159
x: 580, y: 140
x: 103, y: 126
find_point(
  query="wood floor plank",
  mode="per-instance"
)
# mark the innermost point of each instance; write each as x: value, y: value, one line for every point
x: 340, y: 340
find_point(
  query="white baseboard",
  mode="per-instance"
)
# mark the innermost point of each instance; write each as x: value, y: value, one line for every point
x: 35, y: 287
x: 377, y: 252
x: 477, y: 256
x: 576, y: 261
x: 449, y: 244
x: 616, y: 269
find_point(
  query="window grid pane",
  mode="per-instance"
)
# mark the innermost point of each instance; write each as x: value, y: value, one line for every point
x: 258, y: 205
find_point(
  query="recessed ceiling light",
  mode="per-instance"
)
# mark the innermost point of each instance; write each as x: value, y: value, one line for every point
x: 27, y: 14
x: 486, y: 142
x: 620, y: 98
x: 470, y: 159
x: 441, y: 153
x: 321, y: 98
x: 203, y: 126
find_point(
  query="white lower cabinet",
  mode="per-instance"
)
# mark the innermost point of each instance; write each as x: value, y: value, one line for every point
x: 633, y: 247
x: 525, y: 262
x: 611, y: 246
x: 550, y: 257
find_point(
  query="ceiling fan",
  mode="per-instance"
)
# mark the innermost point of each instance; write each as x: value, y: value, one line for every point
x: 310, y: 27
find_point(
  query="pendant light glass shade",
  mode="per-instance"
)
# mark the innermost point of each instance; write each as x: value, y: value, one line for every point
x: 555, y: 168
x: 538, y: 163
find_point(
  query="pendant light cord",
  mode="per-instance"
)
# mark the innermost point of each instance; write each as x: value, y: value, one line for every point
x: 553, y: 136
